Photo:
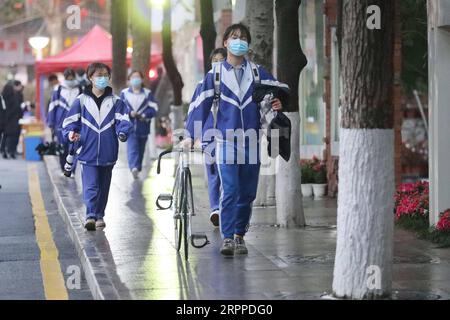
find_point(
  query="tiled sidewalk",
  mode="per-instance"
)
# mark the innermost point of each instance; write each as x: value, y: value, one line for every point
x: 135, y: 254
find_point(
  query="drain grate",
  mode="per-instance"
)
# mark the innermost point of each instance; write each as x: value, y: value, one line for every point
x: 416, y: 260
x: 328, y: 258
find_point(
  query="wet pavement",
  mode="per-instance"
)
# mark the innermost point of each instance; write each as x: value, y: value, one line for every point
x: 22, y: 265
x: 135, y: 254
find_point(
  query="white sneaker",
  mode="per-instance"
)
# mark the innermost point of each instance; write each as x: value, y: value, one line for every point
x: 100, y: 223
x: 135, y: 173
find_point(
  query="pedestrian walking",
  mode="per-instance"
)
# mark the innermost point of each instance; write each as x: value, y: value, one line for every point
x: 97, y: 120
x: 143, y: 108
x: 13, y: 114
x: 237, y: 155
x: 217, y: 57
x: 62, y: 99
x: 2, y: 124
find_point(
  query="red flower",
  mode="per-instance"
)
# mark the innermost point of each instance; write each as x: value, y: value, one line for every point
x: 444, y: 221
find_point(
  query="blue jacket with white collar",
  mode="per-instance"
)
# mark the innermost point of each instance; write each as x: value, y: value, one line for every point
x: 99, y: 127
x: 61, y: 101
x: 145, y: 105
x: 236, y: 107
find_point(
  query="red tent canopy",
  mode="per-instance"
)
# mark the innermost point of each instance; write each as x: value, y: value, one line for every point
x: 94, y: 46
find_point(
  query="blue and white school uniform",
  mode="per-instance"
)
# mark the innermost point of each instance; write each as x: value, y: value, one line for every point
x: 236, y: 110
x: 99, y: 127
x: 60, y: 103
x: 144, y: 104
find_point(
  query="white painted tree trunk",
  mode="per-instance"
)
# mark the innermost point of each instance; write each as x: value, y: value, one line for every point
x: 288, y: 179
x: 364, y: 251
x: 266, y: 184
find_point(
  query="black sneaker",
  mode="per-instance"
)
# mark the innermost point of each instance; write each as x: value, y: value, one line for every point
x: 5, y: 155
x: 90, y: 225
x: 214, y: 218
x: 240, y: 246
x: 227, y: 247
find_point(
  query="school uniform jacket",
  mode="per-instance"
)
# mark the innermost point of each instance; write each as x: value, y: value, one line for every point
x: 61, y: 101
x: 236, y: 108
x: 98, y: 127
x: 144, y: 104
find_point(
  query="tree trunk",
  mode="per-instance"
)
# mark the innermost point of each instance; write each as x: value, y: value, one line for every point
x: 290, y: 62
x: 171, y: 67
x: 207, y: 32
x: 54, y: 27
x: 363, y: 264
x: 260, y: 20
x: 119, y: 32
x: 141, y: 31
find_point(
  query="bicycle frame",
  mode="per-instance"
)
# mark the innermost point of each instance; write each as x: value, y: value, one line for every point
x: 183, y: 206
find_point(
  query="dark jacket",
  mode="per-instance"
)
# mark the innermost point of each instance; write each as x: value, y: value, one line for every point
x: 13, y: 110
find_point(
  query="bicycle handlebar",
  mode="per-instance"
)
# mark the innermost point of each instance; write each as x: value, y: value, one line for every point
x: 172, y: 150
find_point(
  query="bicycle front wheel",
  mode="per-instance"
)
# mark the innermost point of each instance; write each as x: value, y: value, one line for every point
x: 189, y: 199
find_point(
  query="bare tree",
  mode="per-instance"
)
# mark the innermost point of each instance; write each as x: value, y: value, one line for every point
x: 290, y: 62
x: 119, y: 32
x: 363, y: 264
x: 141, y: 31
x: 207, y: 31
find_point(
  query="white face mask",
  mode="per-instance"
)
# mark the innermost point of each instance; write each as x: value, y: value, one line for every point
x: 215, y: 64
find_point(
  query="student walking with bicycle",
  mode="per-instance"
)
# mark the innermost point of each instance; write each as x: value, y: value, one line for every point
x: 217, y: 57
x: 232, y: 83
x: 97, y: 120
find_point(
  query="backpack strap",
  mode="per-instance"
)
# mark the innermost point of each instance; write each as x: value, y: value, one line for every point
x: 215, y: 108
x: 255, y: 73
x: 217, y: 76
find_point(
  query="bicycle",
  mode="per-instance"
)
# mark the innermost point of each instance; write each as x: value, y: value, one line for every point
x: 181, y: 201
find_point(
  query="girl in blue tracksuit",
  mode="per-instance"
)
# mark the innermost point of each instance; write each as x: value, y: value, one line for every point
x: 143, y: 108
x: 62, y: 99
x: 97, y: 119
x: 217, y: 57
x: 237, y: 157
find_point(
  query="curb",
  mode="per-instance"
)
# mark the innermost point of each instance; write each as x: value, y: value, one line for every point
x: 97, y: 276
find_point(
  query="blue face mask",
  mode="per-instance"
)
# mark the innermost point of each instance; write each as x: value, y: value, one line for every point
x: 101, y: 82
x: 136, y: 82
x: 71, y: 83
x: 238, y: 47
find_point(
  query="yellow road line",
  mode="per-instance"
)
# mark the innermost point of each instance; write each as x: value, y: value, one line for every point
x: 52, y: 277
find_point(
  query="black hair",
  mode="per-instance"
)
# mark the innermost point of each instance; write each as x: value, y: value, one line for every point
x: 97, y: 66
x: 221, y: 51
x: 237, y: 27
x: 136, y: 71
x: 69, y: 72
x: 17, y: 83
x: 80, y: 72
x: 52, y: 77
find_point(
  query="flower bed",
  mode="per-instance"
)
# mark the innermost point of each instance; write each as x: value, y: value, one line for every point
x: 412, y: 213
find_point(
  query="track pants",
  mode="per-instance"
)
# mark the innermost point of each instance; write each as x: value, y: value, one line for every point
x: 136, y: 150
x: 239, y: 183
x: 96, y: 182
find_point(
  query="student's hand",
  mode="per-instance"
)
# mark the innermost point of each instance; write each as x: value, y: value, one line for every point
x: 276, y: 105
x: 133, y: 114
x: 74, y: 137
